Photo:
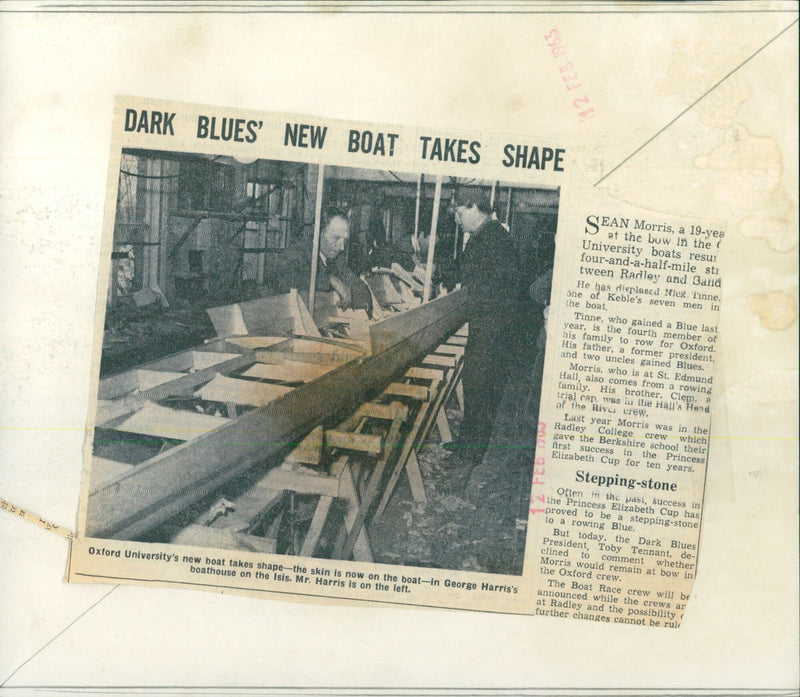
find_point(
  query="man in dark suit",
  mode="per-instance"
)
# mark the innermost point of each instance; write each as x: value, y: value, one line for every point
x: 489, y: 270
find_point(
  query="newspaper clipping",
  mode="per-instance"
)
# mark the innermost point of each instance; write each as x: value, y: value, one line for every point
x: 391, y: 364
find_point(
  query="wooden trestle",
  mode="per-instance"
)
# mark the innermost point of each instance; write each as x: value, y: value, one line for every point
x: 360, y: 461
x: 236, y: 404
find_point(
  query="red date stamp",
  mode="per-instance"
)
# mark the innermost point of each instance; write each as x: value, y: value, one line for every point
x: 569, y: 75
x: 538, y: 499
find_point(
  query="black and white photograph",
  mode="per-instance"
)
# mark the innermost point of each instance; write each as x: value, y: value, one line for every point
x: 321, y: 361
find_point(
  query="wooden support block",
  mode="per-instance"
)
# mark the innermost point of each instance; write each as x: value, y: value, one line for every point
x: 449, y: 350
x: 456, y: 340
x: 309, y: 451
x: 418, y: 373
x: 387, y: 412
x: 403, y: 389
x: 463, y: 330
x: 440, y: 359
x: 354, y: 441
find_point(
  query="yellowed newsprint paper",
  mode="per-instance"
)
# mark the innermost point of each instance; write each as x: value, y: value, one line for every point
x: 495, y: 395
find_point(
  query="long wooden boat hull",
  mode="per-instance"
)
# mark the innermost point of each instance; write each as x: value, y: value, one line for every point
x: 131, y: 504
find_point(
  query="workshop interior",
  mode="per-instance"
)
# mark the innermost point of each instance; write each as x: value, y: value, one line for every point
x: 284, y: 356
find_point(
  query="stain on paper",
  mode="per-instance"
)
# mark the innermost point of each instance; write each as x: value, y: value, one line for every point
x: 777, y: 225
x: 688, y: 77
x: 776, y: 310
x: 749, y: 169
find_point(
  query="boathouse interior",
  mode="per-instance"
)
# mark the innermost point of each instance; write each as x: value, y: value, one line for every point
x: 194, y: 233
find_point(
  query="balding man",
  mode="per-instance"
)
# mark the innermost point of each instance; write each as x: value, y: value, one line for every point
x: 333, y: 274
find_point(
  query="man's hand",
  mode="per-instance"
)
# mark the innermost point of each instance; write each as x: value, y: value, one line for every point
x: 345, y: 298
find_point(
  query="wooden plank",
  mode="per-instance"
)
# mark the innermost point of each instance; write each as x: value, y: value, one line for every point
x: 361, y: 442
x: 437, y: 195
x: 137, y: 380
x: 457, y: 340
x: 189, y: 360
x: 452, y: 381
x: 362, y: 551
x: 276, y: 357
x: 343, y: 349
x: 445, y: 435
x: 151, y: 378
x: 415, y: 478
x: 108, y: 410
x: 255, y: 394
x: 404, y: 389
x: 440, y: 359
x: 449, y: 350
x: 317, y: 524
x: 275, y: 314
x: 315, y: 241
x: 418, y: 373
x: 460, y: 394
x: 174, y: 424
